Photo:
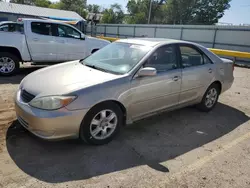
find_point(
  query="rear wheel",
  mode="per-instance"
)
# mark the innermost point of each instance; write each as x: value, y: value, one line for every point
x: 9, y: 64
x: 210, y: 98
x: 101, y: 124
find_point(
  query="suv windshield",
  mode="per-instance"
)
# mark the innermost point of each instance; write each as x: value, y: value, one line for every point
x: 118, y: 58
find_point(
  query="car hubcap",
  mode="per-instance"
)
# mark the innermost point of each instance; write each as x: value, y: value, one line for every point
x: 103, y: 124
x: 211, y: 97
x: 7, y: 65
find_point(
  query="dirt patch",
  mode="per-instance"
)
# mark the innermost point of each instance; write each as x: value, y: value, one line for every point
x: 8, y: 87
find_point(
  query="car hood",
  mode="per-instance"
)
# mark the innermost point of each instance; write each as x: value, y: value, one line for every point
x: 63, y: 78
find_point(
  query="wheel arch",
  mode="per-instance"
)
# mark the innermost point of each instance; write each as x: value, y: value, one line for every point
x: 219, y: 84
x: 11, y: 50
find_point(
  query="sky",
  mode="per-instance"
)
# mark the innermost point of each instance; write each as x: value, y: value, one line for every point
x: 239, y: 12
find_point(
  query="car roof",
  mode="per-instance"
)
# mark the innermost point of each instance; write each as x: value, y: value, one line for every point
x: 152, y: 41
x: 42, y: 20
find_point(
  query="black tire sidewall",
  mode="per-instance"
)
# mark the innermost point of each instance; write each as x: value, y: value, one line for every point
x: 15, y: 59
x: 202, y: 106
x: 85, y: 135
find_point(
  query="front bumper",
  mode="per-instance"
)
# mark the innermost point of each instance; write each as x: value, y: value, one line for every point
x: 49, y: 125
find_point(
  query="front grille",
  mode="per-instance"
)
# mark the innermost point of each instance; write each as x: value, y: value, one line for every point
x: 26, y: 96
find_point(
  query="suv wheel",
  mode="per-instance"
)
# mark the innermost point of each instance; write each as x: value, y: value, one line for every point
x: 9, y: 64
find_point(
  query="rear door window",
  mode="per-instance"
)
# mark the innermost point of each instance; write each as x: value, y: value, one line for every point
x: 41, y: 28
x: 191, y: 57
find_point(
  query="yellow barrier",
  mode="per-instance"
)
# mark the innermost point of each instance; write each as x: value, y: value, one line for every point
x: 230, y: 53
x: 108, y: 38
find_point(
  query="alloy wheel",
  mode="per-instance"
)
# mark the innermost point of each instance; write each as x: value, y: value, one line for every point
x: 211, y: 97
x: 103, y: 124
x: 7, y: 65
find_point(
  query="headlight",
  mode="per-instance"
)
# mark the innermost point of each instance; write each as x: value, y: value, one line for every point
x: 52, y: 102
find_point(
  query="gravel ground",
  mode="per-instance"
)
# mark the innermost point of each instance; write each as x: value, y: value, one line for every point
x: 184, y: 148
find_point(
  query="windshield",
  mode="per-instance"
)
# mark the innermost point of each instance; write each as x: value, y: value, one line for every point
x: 117, y: 57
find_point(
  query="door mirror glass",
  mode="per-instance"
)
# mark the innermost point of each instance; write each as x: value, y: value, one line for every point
x: 82, y: 36
x: 147, y: 71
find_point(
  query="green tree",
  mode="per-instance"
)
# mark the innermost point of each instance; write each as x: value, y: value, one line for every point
x: 209, y: 12
x: 72, y: 5
x: 114, y: 14
x: 42, y: 3
x: 205, y: 12
x: 176, y: 11
x: 26, y: 2
x: 57, y: 5
x: 139, y: 11
x: 94, y: 8
x: 180, y: 11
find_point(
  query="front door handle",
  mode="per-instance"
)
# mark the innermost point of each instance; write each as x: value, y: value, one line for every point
x: 176, y: 78
x: 35, y: 39
x: 210, y: 70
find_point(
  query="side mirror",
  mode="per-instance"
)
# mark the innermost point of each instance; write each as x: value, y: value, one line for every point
x: 147, y: 71
x: 82, y: 36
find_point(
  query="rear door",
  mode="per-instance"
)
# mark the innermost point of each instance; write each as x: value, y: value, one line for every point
x: 69, y: 43
x: 197, y: 72
x: 41, y: 43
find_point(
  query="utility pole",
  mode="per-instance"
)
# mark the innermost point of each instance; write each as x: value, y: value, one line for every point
x: 150, y: 9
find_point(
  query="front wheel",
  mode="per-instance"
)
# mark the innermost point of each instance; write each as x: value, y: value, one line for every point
x: 210, y: 98
x: 101, y: 124
x: 9, y: 64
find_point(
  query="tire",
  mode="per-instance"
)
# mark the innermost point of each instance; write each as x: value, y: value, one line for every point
x: 206, y: 106
x: 11, y: 62
x: 88, y: 129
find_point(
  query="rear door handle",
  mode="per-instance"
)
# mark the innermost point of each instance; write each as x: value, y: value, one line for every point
x: 210, y: 70
x: 35, y: 39
x: 176, y: 78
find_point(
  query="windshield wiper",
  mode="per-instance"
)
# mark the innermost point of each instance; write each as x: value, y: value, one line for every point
x: 95, y: 67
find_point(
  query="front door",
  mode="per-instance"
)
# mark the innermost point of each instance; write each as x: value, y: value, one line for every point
x: 197, y: 73
x: 153, y: 93
x: 69, y: 43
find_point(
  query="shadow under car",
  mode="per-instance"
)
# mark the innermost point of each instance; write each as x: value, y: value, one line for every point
x: 147, y: 142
